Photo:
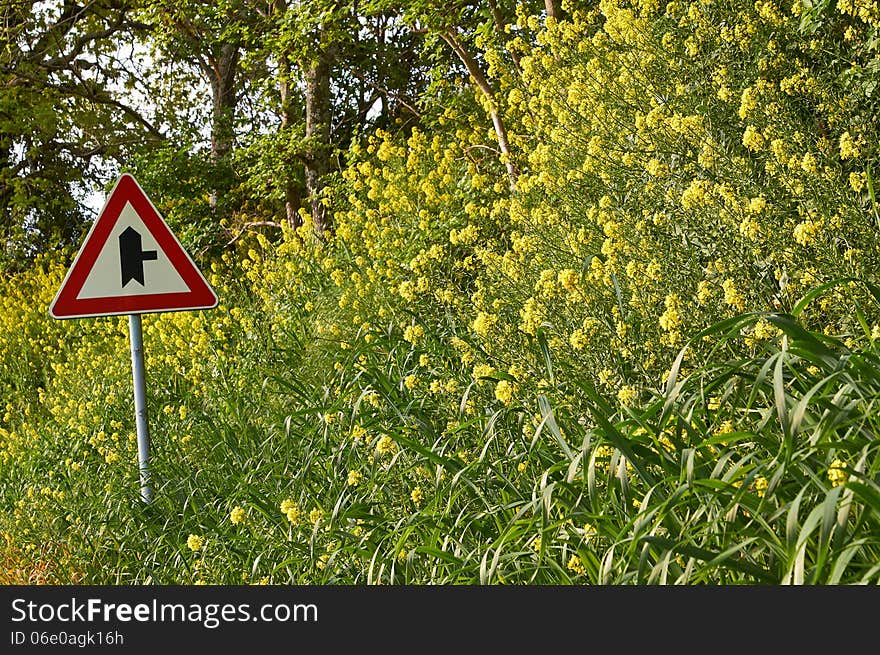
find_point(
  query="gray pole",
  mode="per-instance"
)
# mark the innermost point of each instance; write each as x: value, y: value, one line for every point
x: 140, y: 402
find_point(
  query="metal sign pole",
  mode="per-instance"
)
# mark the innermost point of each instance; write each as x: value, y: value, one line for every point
x: 136, y: 336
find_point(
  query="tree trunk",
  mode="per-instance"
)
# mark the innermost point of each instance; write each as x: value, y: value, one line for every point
x: 317, y: 156
x: 5, y: 199
x: 292, y: 192
x: 224, y: 100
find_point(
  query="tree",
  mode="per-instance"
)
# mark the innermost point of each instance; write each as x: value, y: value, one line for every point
x: 335, y: 71
x: 329, y: 43
x: 458, y: 26
x: 61, y: 116
x: 476, y: 32
x: 208, y: 36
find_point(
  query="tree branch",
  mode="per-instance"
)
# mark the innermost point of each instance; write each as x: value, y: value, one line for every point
x: 483, y: 84
x: 382, y: 90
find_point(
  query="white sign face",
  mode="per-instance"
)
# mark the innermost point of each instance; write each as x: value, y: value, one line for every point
x: 105, y: 278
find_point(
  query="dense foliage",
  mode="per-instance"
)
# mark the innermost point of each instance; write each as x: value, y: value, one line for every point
x: 592, y: 301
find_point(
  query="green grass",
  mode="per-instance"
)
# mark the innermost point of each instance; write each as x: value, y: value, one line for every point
x: 718, y: 477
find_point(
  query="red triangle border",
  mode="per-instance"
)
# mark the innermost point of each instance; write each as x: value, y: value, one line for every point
x: 127, y: 190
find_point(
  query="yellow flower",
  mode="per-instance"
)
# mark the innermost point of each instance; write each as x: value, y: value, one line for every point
x: 354, y: 478
x: 627, y: 394
x: 484, y: 322
x: 805, y: 233
x: 752, y: 138
x: 578, y: 339
x: 808, y: 163
x: 764, y: 330
x: 386, y: 445
x: 666, y: 442
x: 504, y: 391
x: 837, y: 473
x: 316, y: 515
x: 482, y: 371
x: 656, y: 168
x: 413, y: 333
x: 291, y: 510
x: 575, y: 565
x: 417, y: 496
x: 849, y: 147
x: 732, y: 295
x: 857, y: 181
x: 726, y: 427
x: 568, y: 279
x: 670, y: 319
x: 761, y: 485
x: 357, y: 432
x: 696, y: 194
x: 194, y: 542
x: 757, y: 205
x: 237, y: 515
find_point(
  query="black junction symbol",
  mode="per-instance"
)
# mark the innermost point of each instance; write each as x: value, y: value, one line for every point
x: 132, y: 257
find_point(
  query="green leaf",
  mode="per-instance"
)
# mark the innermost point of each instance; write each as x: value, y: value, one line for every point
x: 805, y: 339
x: 869, y: 495
x: 545, y: 351
x: 817, y: 291
x: 841, y: 564
x: 780, y: 397
x: 791, y: 522
x: 550, y: 421
x: 713, y: 558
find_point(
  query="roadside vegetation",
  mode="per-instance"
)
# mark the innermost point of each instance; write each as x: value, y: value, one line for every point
x: 634, y: 341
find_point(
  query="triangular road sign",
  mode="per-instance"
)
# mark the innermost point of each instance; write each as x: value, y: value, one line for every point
x: 130, y: 263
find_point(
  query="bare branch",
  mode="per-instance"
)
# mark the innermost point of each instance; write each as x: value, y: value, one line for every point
x: 88, y: 92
